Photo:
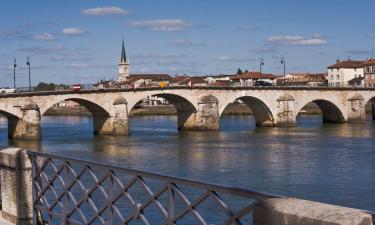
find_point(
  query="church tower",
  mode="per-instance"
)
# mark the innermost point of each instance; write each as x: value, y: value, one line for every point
x: 123, y: 66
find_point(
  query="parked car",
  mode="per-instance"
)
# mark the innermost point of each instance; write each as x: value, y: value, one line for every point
x: 262, y: 83
x: 7, y: 90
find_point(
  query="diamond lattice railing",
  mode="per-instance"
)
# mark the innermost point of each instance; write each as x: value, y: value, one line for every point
x: 71, y: 191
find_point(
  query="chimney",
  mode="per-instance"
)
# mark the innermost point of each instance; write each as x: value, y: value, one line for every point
x: 337, y: 61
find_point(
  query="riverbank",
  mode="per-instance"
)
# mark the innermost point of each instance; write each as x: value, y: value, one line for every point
x: 231, y: 109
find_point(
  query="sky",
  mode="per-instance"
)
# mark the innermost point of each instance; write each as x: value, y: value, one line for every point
x: 79, y: 41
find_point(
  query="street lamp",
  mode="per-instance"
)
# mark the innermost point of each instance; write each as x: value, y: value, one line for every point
x: 261, y: 63
x: 14, y: 73
x: 28, y: 64
x: 283, y: 62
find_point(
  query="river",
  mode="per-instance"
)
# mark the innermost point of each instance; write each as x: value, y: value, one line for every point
x: 332, y: 163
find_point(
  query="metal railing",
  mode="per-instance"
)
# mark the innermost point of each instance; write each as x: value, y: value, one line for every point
x: 71, y: 191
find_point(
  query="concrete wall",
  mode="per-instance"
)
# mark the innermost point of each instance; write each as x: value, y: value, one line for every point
x: 291, y: 211
x: 271, y: 106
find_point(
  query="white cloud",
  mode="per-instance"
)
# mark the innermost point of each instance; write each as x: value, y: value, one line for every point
x: 44, y: 37
x: 264, y: 50
x: 187, y: 43
x: 78, y: 65
x: 316, y: 39
x: 72, y: 31
x: 223, y: 58
x: 231, y: 59
x: 166, y: 25
x: 250, y: 28
x: 105, y: 11
x: 39, y: 50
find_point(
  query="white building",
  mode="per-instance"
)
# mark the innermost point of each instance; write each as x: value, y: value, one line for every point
x: 343, y: 71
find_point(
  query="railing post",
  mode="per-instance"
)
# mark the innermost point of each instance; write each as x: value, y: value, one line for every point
x: 16, y: 186
x: 170, y: 204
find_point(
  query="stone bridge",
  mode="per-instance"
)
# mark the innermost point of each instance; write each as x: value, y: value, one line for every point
x: 198, y: 108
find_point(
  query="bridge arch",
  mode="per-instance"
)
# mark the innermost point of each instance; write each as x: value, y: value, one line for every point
x: 101, y: 112
x: 370, y: 104
x: 184, y: 107
x: 332, y: 112
x: 261, y: 111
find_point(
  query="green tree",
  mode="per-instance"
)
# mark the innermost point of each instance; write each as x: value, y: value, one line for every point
x: 50, y: 87
x: 239, y: 71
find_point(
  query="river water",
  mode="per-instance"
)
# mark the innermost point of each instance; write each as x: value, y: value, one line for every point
x: 332, y: 163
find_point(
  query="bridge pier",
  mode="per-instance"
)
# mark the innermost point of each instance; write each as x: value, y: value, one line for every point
x: 356, y: 109
x: 205, y: 118
x: 115, y: 124
x: 286, y: 116
x: 26, y: 127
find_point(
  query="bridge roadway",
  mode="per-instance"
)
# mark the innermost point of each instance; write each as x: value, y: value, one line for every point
x: 199, y: 108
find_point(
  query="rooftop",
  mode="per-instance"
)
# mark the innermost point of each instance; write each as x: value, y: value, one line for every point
x: 350, y: 64
x: 254, y: 75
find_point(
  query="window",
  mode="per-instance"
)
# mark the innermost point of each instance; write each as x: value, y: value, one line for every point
x: 331, y: 77
x: 338, y: 77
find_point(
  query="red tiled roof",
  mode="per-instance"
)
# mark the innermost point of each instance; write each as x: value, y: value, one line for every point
x: 194, y: 80
x: 253, y: 75
x: 220, y: 83
x: 347, y: 64
x: 150, y: 76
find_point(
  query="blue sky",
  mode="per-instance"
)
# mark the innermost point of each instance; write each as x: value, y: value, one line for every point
x: 75, y: 41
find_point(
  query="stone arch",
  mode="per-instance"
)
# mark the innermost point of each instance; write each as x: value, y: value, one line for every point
x: 261, y: 112
x: 331, y: 112
x: 94, y: 108
x: 184, y: 107
x: 102, y: 115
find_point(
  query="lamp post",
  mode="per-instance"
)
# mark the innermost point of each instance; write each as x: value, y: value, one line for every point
x: 261, y: 64
x: 28, y: 64
x: 283, y: 62
x: 14, y: 73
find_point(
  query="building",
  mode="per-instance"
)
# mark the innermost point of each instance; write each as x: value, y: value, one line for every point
x: 217, y: 78
x: 303, y: 79
x: 249, y: 79
x: 123, y: 66
x: 342, y: 72
x: 148, y: 80
x: 188, y: 81
x: 369, y: 71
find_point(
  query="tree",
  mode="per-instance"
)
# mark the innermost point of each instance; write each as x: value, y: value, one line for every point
x: 50, y: 87
x: 239, y: 71
x: 246, y: 71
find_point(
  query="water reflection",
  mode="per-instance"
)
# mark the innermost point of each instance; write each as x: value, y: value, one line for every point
x: 332, y: 163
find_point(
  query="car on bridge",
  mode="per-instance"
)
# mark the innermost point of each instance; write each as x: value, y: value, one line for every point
x: 262, y: 83
x: 7, y: 90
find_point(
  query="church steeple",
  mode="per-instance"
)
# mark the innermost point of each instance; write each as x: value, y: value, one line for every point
x: 123, y: 66
x: 123, y: 53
